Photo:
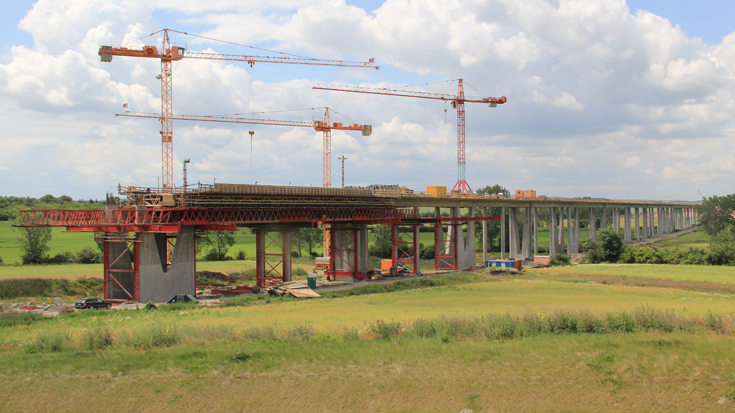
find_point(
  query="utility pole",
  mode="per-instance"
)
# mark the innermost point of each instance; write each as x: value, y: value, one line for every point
x: 252, y: 132
x: 186, y: 161
x: 342, y: 158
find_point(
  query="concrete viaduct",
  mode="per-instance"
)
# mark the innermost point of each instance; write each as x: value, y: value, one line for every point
x: 149, y: 243
x: 640, y: 220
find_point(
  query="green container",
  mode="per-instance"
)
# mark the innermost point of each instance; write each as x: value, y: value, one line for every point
x: 311, y: 281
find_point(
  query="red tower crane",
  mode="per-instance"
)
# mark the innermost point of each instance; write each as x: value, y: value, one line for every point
x: 324, y: 126
x: 168, y: 54
x: 458, y: 102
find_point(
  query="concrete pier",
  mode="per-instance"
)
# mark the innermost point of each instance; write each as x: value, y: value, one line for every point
x: 158, y: 284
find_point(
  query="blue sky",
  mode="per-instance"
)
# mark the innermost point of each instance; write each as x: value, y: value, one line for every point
x: 602, y: 101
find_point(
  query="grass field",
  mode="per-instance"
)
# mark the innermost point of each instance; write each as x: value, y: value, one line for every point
x: 689, y: 273
x: 234, y: 358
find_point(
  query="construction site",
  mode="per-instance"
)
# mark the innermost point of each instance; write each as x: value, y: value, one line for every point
x: 149, y: 237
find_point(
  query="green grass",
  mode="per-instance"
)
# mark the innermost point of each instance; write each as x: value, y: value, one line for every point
x: 689, y: 273
x: 696, y: 239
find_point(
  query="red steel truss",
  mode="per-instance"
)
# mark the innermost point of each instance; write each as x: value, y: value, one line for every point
x: 170, y: 220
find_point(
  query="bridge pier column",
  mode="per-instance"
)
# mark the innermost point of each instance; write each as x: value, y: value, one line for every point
x: 593, y: 225
x: 616, y: 219
x: 502, y: 233
x: 535, y: 231
x: 552, y: 231
x: 159, y: 282
x: 645, y: 224
x: 603, y: 218
x: 348, y: 252
x: 637, y: 224
x: 484, y: 237
x: 627, y: 230
x: 526, y: 244
x: 513, y: 233
x: 561, y: 231
x: 570, y: 235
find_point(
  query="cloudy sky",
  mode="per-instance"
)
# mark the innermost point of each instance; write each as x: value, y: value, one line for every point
x: 605, y: 98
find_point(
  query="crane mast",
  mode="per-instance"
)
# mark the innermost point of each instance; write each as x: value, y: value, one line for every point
x: 169, y: 54
x: 458, y: 102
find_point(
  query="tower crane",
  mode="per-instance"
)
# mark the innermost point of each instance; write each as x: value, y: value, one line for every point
x: 324, y: 126
x: 168, y: 54
x: 457, y: 101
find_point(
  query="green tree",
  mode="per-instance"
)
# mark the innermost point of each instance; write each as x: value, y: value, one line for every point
x: 313, y: 237
x: 722, y: 249
x: 383, y: 245
x: 33, y: 243
x: 717, y: 213
x: 216, y: 244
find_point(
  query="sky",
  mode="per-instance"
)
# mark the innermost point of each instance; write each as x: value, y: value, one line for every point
x: 606, y: 98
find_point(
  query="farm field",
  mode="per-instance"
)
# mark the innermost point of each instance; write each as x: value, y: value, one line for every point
x: 229, y: 358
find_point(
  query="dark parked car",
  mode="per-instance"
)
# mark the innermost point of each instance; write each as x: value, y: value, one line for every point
x: 92, y: 302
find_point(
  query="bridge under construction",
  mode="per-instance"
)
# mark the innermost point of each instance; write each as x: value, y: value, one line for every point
x: 149, y: 240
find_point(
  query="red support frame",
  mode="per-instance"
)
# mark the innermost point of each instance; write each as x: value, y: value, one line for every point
x: 445, y: 262
x: 406, y: 249
x: 109, y: 273
x: 267, y: 270
x: 350, y: 244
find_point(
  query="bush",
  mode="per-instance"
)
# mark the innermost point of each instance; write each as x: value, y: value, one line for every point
x: 594, y: 251
x: 154, y: 335
x: 383, y: 329
x: 299, y: 272
x: 241, y: 256
x: 1, y: 261
x: 611, y: 243
x: 561, y: 259
x: 97, y: 338
x: 48, y: 342
x: 89, y: 255
x: 63, y: 258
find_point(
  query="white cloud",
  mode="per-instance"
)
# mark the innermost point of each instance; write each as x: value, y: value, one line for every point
x: 591, y: 87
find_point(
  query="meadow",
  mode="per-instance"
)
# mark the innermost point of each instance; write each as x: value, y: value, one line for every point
x: 373, y: 352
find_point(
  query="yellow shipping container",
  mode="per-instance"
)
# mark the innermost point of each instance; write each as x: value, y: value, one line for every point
x: 437, y: 191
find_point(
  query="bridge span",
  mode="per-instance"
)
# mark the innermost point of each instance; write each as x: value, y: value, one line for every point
x: 149, y: 241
